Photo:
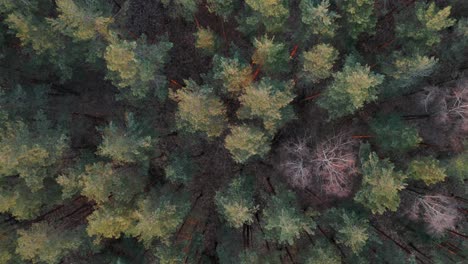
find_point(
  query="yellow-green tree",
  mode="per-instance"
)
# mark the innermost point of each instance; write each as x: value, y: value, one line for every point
x: 206, y: 40
x: 244, y: 142
x: 234, y: 74
x: 271, y: 56
x: 199, y: 110
x: 235, y: 203
x: 351, y: 88
x: 380, y: 185
x: 43, y: 242
x: 318, y: 62
x: 268, y: 100
x: 426, y: 169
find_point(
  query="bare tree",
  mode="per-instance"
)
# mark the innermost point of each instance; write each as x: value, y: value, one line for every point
x: 297, y: 166
x: 447, y: 105
x: 438, y: 211
x: 448, y: 109
x: 330, y: 166
x: 334, y: 164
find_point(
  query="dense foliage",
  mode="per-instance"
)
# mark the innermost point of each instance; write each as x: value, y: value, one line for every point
x: 228, y: 131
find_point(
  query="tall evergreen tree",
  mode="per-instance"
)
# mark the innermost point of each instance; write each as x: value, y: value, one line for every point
x: 380, y: 183
x: 351, y: 88
x: 236, y: 204
x: 283, y: 220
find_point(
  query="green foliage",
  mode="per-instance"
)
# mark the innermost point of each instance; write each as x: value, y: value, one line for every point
x: 245, y: 141
x: 53, y: 50
x: 180, y: 168
x: 222, y: 8
x: 32, y: 152
x: 7, y: 243
x: 322, y: 255
x: 359, y: 16
x: 270, y: 56
x: 101, y: 182
x: 380, y: 183
x: 137, y: 65
x: 129, y: 144
x: 426, y: 169
x: 33, y: 32
x: 393, y: 136
x: 272, y: 14
x: 45, y: 243
x: 351, y: 88
x: 424, y: 29
x: 172, y: 254
x: 268, y: 100
x: 109, y: 221
x: 405, y: 71
x: 17, y: 198
x: 158, y: 216
x: 80, y: 21
x: 248, y: 257
x: 234, y: 74
x: 457, y: 167
x: 181, y: 8
x: 206, y: 40
x: 199, y: 110
x: 236, y: 204
x: 318, y: 18
x: 318, y: 62
x: 352, y: 230
x: 70, y: 181
x: 283, y: 220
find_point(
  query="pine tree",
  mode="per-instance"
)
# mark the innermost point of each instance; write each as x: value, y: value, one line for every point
x: 110, y: 221
x: 393, y: 136
x: 180, y: 169
x: 318, y: 62
x: 43, y: 242
x: 351, y: 88
x: 181, y: 8
x: 171, y: 254
x: 102, y: 182
x: 199, y: 110
x: 380, y: 183
x: 128, y: 144
x: 360, y: 16
x: 158, y: 216
x: 137, y: 65
x: 318, y: 18
x: 272, y: 14
x: 283, y: 221
x: 32, y: 32
x: 17, y: 199
x: 245, y: 142
x: 352, y: 230
x: 80, y: 19
x: 32, y: 152
x: 206, y: 40
x: 423, y: 30
x: 405, y: 71
x: 457, y: 167
x: 270, y: 56
x: 8, y: 240
x: 234, y: 74
x: 235, y: 204
x: 426, y: 169
x: 323, y: 253
x: 222, y: 8
x: 268, y: 100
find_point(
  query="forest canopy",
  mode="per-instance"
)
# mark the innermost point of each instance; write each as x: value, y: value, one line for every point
x: 229, y: 131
